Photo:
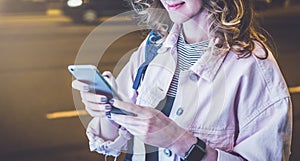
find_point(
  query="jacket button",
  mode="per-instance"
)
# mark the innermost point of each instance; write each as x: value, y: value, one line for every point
x: 179, y: 111
x: 194, y: 77
x: 167, y: 152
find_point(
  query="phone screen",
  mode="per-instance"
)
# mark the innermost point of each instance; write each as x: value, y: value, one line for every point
x: 97, y: 84
x: 90, y: 75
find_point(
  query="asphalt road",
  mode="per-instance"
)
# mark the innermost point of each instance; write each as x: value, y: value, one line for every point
x: 35, y: 52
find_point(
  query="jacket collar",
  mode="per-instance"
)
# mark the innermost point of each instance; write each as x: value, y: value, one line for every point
x: 210, y: 62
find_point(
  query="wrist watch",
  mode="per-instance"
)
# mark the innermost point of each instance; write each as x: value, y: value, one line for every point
x: 196, y: 152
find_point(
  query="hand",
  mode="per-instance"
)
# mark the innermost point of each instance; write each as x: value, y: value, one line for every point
x: 149, y: 125
x: 96, y: 105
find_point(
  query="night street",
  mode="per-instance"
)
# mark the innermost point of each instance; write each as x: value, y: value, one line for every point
x: 34, y: 82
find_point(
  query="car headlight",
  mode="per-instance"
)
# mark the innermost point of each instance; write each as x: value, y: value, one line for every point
x: 74, y: 3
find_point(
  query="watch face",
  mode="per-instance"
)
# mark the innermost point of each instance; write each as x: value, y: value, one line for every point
x: 197, y: 151
x: 196, y: 154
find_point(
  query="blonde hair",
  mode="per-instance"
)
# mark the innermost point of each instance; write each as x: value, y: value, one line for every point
x: 232, y: 23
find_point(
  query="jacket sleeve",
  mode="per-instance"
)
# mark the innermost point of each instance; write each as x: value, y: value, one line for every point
x: 266, y: 137
x: 106, y: 147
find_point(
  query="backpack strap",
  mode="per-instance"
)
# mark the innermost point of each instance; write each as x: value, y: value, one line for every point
x: 150, y: 52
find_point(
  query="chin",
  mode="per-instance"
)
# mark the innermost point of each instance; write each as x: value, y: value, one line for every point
x: 177, y: 18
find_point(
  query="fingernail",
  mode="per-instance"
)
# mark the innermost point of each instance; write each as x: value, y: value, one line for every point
x: 112, y: 101
x: 103, y: 100
x: 108, y: 115
x: 86, y: 88
x: 107, y: 107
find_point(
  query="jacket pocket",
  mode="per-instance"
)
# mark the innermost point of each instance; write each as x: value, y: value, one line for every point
x: 150, y: 97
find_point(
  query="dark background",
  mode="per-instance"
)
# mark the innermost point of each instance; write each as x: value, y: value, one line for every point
x: 37, y: 45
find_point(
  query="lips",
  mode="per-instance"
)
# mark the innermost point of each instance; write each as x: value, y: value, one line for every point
x: 175, y: 6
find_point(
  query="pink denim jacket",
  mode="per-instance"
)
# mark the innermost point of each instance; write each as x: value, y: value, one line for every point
x: 239, y: 106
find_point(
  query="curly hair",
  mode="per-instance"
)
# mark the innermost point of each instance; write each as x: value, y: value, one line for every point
x: 232, y: 23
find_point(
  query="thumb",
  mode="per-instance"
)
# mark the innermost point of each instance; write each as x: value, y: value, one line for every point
x: 108, y: 76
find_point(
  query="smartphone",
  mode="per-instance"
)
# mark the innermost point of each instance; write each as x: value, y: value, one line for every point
x: 97, y: 84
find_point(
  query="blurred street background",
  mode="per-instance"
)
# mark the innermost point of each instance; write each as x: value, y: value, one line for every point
x: 37, y: 43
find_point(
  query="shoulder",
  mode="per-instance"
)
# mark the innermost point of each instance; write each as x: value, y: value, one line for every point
x: 258, y: 83
x: 255, y: 71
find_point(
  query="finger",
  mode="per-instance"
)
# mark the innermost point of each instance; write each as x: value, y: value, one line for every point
x: 95, y: 98
x: 136, y: 126
x: 128, y: 120
x: 138, y: 110
x: 95, y: 114
x: 78, y: 85
x: 102, y: 108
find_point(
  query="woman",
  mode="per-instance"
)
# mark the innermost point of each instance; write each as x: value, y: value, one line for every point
x: 219, y: 87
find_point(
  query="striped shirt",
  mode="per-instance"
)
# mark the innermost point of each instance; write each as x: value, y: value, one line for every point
x: 188, y: 54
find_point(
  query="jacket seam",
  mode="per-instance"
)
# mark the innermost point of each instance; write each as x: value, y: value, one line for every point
x: 261, y: 111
